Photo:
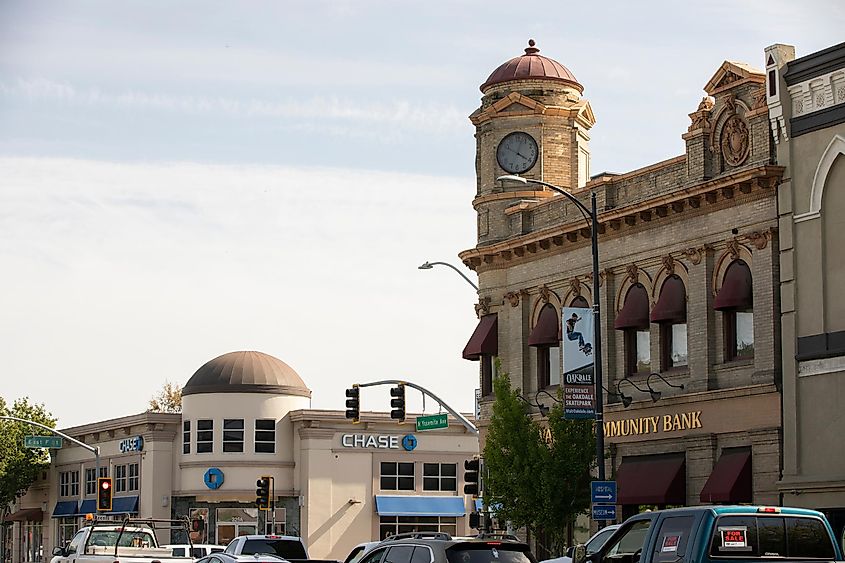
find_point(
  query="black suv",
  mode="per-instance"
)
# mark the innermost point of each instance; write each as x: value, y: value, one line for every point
x: 436, y: 547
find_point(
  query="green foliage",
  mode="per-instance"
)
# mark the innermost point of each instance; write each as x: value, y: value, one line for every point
x: 168, y: 399
x: 542, y: 486
x: 20, y: 466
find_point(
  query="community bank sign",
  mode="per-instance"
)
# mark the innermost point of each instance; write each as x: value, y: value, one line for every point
x: 653, y: 424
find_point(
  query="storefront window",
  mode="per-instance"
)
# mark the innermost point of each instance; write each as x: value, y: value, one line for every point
x: 91, y: 479
x: 233, y: 435
x: 186, y: 437
x: 235, y: 522
x: 69, y: 484
x: 67, y: 527
x: 397, y: 476
x: 133, y: 477
x: 440, y: 477
x: 32, y: 550
x: 392, y: 525
x: 265, y: 436
x: 205, y: 436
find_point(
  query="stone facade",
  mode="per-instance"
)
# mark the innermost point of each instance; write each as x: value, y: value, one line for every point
x: 806, y: 99
x: 691, y: 217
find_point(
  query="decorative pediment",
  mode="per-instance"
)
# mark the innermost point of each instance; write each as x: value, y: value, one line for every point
x: 731, y: 74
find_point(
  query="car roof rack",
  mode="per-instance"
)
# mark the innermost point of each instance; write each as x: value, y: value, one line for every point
x: 497, y: 536
x: 419, y: 536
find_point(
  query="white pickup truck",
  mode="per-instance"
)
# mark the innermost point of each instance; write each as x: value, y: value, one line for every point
x: 111, y: 542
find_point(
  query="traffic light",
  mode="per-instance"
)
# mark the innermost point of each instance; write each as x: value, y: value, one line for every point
x: 475, y: 520
x: 397, y: 403
x: 197, y: 524
x: 104, y: 491
x: 472, y: 471
x: 262, y: 493
x: 353, y: 404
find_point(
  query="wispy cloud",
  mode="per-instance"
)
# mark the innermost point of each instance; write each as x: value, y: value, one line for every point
x: 427, y: 117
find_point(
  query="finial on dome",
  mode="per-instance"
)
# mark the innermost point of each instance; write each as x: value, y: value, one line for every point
x: 531, y: 49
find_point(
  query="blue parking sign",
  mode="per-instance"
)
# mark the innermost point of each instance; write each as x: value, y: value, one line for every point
x: 603, y: 492
x: 604, y: 512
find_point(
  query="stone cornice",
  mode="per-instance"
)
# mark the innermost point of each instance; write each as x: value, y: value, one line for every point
x: 236, y: 463
x: 751, y: 182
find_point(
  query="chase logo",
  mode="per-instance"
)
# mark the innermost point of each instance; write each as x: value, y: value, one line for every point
x: 409, y: 442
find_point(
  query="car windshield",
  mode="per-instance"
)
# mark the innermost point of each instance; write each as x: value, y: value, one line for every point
x: 286, y: 549
x: 128, y: 539
x: 491, y: 552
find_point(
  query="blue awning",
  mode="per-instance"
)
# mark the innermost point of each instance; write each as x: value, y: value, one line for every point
x: 65, y: 508
x: 124, y: 505
x: 479, y: 505
x: 88, y: 506
x: 388, y: 505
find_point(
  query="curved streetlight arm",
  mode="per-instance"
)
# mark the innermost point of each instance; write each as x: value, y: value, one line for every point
x: 428, y: 266
x: 581, y: 207
x: 467, y: 424
x: 93, y: 449
x: 670, y: 384
x: 553, y: 398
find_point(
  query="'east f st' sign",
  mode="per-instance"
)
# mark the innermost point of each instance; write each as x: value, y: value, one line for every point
x: 662, y: 424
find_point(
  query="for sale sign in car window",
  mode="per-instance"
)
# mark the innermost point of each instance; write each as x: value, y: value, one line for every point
x: 734, y: 538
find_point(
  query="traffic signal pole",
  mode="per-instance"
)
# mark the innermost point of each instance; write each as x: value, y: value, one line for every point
x: 93, y: 449
x: 467, y: 424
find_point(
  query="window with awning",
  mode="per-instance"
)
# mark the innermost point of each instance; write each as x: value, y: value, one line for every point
x: 546, y: 338
x: 483, y: 346
x: 735, y: 300
x: 670, y: 312
x: 653, y: 479
x: 633, y: 319
x: 730, y: 480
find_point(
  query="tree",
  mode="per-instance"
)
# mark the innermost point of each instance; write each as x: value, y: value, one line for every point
x: 20, y: 466
x: 541, y: 486
x: 168, y: 399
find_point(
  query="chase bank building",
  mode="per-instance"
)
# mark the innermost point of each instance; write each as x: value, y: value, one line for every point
x: 246, y: 415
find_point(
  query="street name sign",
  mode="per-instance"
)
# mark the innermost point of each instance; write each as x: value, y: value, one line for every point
x: 603, y: 492
x: 42, y: 441
x: 432, y: 422
x: 604, y: 512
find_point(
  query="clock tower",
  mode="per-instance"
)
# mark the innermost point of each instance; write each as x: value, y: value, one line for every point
x: 532, y: 122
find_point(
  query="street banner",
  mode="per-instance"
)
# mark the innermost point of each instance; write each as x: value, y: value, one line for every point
x: 579, y: 400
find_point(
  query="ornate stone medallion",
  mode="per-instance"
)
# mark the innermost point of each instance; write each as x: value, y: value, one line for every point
x: 735, y: 143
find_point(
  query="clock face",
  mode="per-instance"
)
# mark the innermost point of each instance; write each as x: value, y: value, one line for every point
x: 517, y: 152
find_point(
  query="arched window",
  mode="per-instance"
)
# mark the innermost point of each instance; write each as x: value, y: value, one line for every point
x: 670, y: 312
x: 546, y: 338
x: 736, y: 301
x: 633, y: 319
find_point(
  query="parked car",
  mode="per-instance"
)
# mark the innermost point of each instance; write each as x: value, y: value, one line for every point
x: 222, y: 557
x: 290, y: 548
x: 196, y: 551
x: 593, y: 544
x: 719, y: 534
x: 438, y: 547
x: 359, y: 551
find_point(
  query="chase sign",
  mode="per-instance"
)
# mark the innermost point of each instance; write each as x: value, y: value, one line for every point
x: 133, y: 444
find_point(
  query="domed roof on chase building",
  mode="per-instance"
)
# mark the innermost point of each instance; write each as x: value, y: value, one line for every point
x: 531, y: 66
x: 246, y: 372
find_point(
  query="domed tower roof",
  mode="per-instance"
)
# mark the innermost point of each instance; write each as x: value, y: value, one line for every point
x: 246, y: 372
x: 532, y: 66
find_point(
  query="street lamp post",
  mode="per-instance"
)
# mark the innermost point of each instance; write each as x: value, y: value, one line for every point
x: 591, y: 216
x: 430, y: 265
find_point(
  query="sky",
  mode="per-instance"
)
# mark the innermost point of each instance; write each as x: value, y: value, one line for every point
x: 183, y: 179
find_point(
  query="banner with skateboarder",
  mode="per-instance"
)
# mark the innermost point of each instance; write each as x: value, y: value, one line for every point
x: 578, y: 387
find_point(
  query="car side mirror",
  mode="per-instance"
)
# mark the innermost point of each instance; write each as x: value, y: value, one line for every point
x: 59, y: 551
x: 579, y: 553
x: 570, y: 551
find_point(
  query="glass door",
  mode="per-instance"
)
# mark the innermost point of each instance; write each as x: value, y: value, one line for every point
x: 234, y: 522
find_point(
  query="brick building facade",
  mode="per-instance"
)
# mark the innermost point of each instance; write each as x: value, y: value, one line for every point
x: 688, y: 290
